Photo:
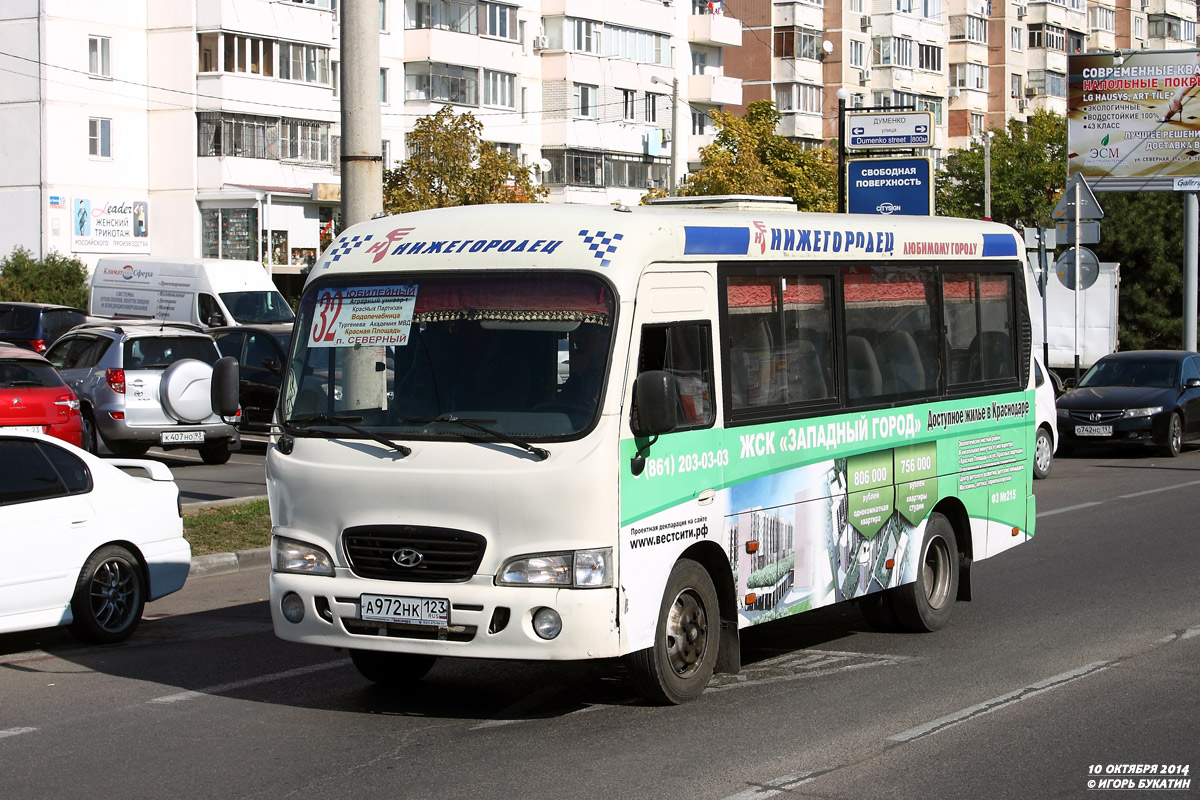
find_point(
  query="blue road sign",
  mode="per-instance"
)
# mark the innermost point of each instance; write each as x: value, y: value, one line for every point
x: 900, y: 186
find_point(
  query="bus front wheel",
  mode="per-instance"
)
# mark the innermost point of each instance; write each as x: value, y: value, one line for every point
x: 925, y: 604
x: 391, y: 669
x: 679, y: 665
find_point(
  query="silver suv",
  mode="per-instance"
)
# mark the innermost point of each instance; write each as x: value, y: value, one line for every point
x: 144, y: 384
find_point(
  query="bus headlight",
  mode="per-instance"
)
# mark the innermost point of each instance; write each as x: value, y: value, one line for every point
x: 581, y: 569
x: 288, y: 555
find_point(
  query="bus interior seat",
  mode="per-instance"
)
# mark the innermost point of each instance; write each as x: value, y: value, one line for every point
x: 751, y: 366
x: 990, y: 357
x: 901, y: 363
x: 862, y: 368
x: 805, y: 376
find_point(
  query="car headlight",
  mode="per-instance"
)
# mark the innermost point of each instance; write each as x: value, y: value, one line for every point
x: 1142, y: 412
x: 1064, y: 413
x: 288, y: 555
x: 581, y: 569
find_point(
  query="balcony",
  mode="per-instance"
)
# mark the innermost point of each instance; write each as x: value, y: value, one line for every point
x: 714, y: 90
x: 715, y: 30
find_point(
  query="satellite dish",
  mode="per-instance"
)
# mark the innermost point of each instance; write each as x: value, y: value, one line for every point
x: 544, y: 166
x: 827, y: 46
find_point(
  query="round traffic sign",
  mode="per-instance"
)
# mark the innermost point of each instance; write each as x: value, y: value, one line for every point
x: 1089, y: 268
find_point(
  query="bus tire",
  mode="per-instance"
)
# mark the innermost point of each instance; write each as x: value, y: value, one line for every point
x: 679, y: 665
x: 879, y: 611
x: 391, y: 669
x: 925, y: 604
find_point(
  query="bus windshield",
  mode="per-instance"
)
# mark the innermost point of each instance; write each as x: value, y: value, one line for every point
x: 414, y: 355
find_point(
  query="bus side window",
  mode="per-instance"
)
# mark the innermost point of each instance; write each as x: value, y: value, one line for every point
x: 684, y: 350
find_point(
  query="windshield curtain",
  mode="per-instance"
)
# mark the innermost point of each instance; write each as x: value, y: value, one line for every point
x: 257, y: 308
x: 520, y: 354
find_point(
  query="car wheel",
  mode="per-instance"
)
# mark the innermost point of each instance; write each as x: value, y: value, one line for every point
x: 925, y: 604
x: 109, y: 597
x: 1174, y: 443
x: 1043, y: 453
x: 678, y: 666
x: 215, y: 452
x: 88, y: 440
x: 392, y: 669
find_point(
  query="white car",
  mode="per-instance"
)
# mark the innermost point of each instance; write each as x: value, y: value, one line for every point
x: 83, y: 543
x: 1046, y: 413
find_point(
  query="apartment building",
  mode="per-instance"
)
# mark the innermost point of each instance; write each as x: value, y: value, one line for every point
x: 219, y: 121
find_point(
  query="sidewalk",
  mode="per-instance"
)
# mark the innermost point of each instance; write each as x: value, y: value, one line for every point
x: 222, y: 563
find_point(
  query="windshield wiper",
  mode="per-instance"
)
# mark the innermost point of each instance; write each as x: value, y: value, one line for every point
x: 474, y: 424
x: 345, y: 423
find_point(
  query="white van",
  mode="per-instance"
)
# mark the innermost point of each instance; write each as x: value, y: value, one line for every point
x: 205, y: 292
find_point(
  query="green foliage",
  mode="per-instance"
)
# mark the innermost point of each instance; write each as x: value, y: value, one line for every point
x: 449, y: 165
x: 228, y: 529
x: 53, y: 279
x: 771, y: 574
x: 748, y: 157
x: 1029, y: 167
x: 1143, y: 231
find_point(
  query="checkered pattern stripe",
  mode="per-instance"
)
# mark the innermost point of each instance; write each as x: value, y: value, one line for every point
x: 602, y: 244
x: 343, y: 246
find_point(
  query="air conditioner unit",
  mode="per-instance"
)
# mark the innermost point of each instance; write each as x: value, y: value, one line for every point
x: 541, y: 42
x: 865, y: 23
x: 952, y: 92
x: 1020, y: 12
x: 1031, y: 91
x: 1021, y: 104
x: 864, y: 75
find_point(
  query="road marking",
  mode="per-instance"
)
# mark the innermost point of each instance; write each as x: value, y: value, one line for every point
x: 235, y: 685
x: 1068, y: 508
x: 802, y: 664
x: 15, y: 732
x: 996, y: 703
x: 1160, y: 489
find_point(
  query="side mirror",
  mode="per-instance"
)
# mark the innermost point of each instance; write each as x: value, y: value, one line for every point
x: 216, y: 319
x: 657, y: 398
x: 1192, y: 383
x: 271, y: 364
x: 224, y: 389
x: 1069, y: 383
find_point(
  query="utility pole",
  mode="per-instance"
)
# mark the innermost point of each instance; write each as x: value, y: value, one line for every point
x: 362, y: 129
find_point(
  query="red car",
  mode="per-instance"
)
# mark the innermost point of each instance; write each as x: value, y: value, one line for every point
x: 33, y: 397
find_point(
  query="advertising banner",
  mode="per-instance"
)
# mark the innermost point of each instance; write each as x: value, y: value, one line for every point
x: 901, y: 186
x: 102, y: 225
x: 1132, y: 116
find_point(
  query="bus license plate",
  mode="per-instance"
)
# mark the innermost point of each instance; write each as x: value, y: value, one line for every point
x: 177, y: 437
x: 1093, y: 430
x: 407, y: 610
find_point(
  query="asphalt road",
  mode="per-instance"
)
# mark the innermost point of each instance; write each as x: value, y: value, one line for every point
x: 1079, y: 655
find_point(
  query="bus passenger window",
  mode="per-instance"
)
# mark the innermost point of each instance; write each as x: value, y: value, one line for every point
x: 685, y: 351
x: 979, y: 314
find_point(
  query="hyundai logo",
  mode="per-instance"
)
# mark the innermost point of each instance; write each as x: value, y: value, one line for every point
x: 407, y: 557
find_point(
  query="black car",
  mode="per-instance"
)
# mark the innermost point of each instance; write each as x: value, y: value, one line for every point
x: 1141, y: 397
x: 261, y: 352
x: 36, y: 326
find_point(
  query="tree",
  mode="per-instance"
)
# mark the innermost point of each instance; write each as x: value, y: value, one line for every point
x: 449, y: 165
x: 748, y: 157
x: 1029, y: 165
x: 53, y: 279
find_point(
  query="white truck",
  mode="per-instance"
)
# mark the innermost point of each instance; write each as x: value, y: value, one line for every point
x: 1097, y: 313
x: 205, y: 292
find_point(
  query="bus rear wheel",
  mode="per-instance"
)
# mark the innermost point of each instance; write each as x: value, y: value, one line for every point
x: 679, y: 665
x: 925, y: 604
x: 391, y: 669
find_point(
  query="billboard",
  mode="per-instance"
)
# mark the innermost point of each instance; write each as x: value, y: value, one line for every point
x: 105, y: 225
x: 901, y: 186
x: 1132, y: 117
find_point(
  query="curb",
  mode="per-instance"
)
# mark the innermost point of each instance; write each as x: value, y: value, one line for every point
x: 224, y: 563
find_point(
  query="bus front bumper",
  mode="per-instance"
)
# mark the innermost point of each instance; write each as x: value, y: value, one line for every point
x: 486, y: 621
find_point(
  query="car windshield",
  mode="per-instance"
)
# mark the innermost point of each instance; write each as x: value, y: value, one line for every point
x: 433, y: 355
x: 1123, y: 372
x: 257, y: 308
x: 25, y: 374
x: 17, y: 318
x: 152, y: 352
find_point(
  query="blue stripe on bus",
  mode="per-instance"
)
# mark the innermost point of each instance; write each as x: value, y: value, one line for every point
x: 703, y: 240
x: 999, y: 244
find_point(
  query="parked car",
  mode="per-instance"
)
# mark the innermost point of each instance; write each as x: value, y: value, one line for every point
x: 142, y: 384
x: 261, y: 352
x: 36, y: 326
x: 1046, y: 438
x: 1140, y: 397
x: 33, y: 397
x: 83, y: 543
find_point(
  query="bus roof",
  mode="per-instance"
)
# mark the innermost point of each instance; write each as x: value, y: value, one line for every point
x: 619, y: 241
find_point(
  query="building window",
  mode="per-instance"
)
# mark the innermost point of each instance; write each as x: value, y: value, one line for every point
x: 978, y: 123
x: 1165, y: 26
x: 499, y: 89
x: 237, y: 135
x: 1102, y: 18
x: 933, y: 105
x: 784, y: 98
x: 585, y: 35
x: 701, y: 123
x: 968, y: 29
x: 383, y: 16
x: 628, y: 97
x: 98, y: 57
x: 584, y: 100
x: 300, y: 62
x: 100, y: 137
x: 785, y: 42
x: 460, y: 16
x: 857, y: 53
x: 1015, y: 81
x: 229, y: 233
x: 644, y: 47
x: 444, y: 83
x: 892, y: 51
x: 969, y: 76
x: 699, y: 62
x: 383, y: 86
x: 810, y: 44
x: 385, y: 150
x: 1051, y: 37
x: 335, y: 76
x: 1048, y: 82
x: 500, y: 21
x: 931, y: 9
x: 1016, y: 39
x: 303, y: 140
x: 929, y: 58
x: 651, y: 107
x: 1076, y: 42
x: 1139, y: 27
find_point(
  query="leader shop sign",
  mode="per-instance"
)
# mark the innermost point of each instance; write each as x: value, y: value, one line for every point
x: 109, y: 226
